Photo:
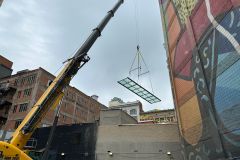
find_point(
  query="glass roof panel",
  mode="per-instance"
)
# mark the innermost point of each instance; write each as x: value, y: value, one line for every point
x: 139, y: 90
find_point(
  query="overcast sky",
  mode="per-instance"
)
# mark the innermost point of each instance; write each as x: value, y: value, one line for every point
x: 45, y: 33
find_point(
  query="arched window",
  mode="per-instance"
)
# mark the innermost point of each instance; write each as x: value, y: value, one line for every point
x: 133, y: 111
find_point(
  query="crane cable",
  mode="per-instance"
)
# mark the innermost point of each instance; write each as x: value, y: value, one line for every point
x: 139, y: 55
x: 136, y: 22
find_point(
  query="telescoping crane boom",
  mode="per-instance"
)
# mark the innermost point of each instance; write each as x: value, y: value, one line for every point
x: 52, y: 96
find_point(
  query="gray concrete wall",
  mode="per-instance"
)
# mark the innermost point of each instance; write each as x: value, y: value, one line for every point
x: 115, y: 117
x: 128, y: 142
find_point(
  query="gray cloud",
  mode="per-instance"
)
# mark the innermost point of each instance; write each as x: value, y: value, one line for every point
x: 45, y: 33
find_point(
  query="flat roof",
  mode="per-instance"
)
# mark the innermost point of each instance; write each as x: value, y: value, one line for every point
x: 158, y: 111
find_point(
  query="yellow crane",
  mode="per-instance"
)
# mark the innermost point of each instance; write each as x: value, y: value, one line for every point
x: 52, y: 96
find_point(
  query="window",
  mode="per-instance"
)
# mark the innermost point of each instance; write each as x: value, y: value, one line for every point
x: 170, y: 119
x: 19, y: 94
x: 16, y: 82
x: 157, y: 120
x: 76, y: 111
x: 23, y: 107
x: 75, y: 121
x: 17, y: 123
x: 31, y: 79
x: 162, y: 120
x: 6, y: 110
x: 14, y: 108
x: 27, y: 92
x: 64, y: 118
x: 133, y: 112
x: 49, y: 83
x: 44, y: 125
x: 73, y: 96
x: 23, y: 80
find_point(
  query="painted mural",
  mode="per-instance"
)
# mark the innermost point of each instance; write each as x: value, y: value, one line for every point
x: 202, y: 41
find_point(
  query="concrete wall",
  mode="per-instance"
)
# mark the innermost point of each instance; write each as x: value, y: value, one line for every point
x: 134, y: 107
x: 128, y: 142
x: 115, y: 117
x: 127, y: 107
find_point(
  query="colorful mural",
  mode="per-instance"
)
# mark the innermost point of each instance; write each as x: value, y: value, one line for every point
x: 203, y: 38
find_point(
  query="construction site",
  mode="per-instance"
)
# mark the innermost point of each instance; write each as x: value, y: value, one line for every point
x: 120, y: 80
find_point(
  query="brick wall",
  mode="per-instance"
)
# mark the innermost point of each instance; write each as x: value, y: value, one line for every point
x: 76, y: 107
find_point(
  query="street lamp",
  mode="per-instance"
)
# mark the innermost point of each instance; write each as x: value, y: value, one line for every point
x: 169, y: 154
x: 110, y: 153
x: 62, y: 156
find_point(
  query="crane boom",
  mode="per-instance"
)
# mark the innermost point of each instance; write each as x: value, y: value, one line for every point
x: 53, y: 94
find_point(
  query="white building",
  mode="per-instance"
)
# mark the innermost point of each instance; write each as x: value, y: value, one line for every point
x: 132, y: 108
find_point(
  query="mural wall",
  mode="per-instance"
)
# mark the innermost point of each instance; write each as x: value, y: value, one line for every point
x: 202, y: 41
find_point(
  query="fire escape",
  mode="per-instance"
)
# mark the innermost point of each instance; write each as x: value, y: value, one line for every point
x: 7, y: 92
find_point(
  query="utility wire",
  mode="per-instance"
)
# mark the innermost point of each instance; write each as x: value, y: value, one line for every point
x: 139, y: 57
x: 131, y: 69
x: 150, y: 78
x: 137, y: 22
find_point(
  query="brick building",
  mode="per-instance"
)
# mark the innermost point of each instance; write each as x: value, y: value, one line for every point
x: 76, y: 107
x: 159, y: 116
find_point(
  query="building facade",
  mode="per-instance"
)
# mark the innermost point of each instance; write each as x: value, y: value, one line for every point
x: 5, y: 66
x: 76, y: 107
x: 137, y: 141
x: 117, y: 136
x: 7, y: 91
x: 202, y: 40
x: 132, y: 108
x: 115, y: 117
x: 159, y: 116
